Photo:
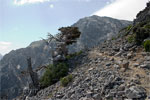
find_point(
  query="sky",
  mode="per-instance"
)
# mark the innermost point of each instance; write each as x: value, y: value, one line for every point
x: 25, y: 21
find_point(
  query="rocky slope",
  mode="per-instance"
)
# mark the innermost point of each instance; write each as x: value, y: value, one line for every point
x: 106, y: 72
x: 115, y: 70
x: 94, y: 29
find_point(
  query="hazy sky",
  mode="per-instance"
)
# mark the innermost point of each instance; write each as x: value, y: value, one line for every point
x: 24, y: 21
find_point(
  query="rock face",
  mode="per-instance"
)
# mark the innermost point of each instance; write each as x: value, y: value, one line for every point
x: 96, y: 29
x: 1, y: 56
x: 93, y: 29
x: 143, y: 15
x: 13, y: 63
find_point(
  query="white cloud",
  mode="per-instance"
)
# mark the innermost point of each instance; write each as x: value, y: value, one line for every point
x: 107, y: 2
x: 84, y: 0
x: 51, y: 6
x: 122, y: 9
x: 22, y: 2
x: 6, y: 47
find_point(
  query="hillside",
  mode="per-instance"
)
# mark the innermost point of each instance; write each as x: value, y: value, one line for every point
x: 103, y: 74
x: 117, y: 69
x: 98, y: 29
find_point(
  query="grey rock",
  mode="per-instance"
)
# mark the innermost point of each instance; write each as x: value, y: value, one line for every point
x: 135, y: 64
x: 147, y: 58
x: 129, y: 56
x: 116, y: 49
x: 146, y: 66
x: 119, y: 53
x: 118, y: 62
x: 125, y: 64
x: 89, y: 94
x: 136, y: 92
x: 117, y: 66
x: 108, y: 64
x: 97, y: 96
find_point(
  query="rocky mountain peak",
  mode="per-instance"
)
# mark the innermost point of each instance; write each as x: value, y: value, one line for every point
x: 143, y: 15
x: 95, y: 29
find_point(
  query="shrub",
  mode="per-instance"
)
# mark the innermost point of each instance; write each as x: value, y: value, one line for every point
x: 53, y: 74
x: 147, y: 45
x: 113, y: 38
x: 79, y: 53
x: 73, y: 55
x: 147, y: 26
x: 131, y: 38
x: 142, y: 32
x: 64, y: 81
x: 129, y: 27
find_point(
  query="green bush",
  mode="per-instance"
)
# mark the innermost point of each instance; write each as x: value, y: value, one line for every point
x: 64, y: 81
x: 131, y: 38
x: 113, y: 38
x: 147, y: 45
x: 142, y: 32
x: 147, y: 26
x: 129, y: 27
x: 53, y: 74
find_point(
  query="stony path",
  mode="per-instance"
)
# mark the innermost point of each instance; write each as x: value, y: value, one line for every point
x: 133, y: 70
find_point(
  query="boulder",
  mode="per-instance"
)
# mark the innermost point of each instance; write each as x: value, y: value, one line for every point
x: 125, y: 64
x: 136, y: 92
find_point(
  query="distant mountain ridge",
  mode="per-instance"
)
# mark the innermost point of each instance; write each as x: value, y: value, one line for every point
x: 93, y: 29
x: 12, y: 79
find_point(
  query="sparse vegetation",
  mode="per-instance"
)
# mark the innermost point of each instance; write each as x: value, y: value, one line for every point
x: 129, y: 27
x: 64, y: 81
x: 113, y: 38
x: 147, y: 45
x: 147, y: 26
x: 53, y: 74
x: 142, y: 32
x: 73, y: 55
x: 126, y: 30
x: 131, y: 38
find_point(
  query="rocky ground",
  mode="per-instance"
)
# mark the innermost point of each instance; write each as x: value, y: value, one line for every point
x: 116, y: 70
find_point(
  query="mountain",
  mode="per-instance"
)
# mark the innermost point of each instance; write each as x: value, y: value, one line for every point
x: 12, y: 81
x: 117, y: 69
x: 143, y: 15
x: 1, y: 56
x: 96, y: 29
x: 93, y: 29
